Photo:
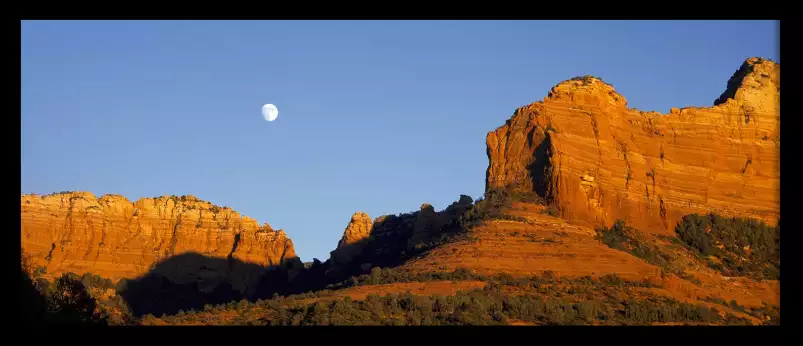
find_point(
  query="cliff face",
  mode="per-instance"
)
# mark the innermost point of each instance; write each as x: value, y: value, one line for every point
x: 115, y: 238
x: 598, y: 160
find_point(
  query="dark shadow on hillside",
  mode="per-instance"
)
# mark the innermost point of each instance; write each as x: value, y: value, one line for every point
x: 192, y: 280
x: 385, y: 247
x: 390, y: 241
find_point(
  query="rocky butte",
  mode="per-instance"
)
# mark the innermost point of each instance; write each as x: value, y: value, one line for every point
x: 597, y: 160
x: 354, y: 237
x: 115, y: 238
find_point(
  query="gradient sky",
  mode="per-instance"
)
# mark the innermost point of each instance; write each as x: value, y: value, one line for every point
x: 374, y: 116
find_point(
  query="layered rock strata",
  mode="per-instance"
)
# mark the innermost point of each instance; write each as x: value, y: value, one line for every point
x: 598, y: 160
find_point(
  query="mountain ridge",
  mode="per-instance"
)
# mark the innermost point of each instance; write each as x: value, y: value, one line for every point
x: 116, y: 238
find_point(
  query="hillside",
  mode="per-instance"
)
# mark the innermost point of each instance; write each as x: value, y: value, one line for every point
x: 568, y: 272
x: 594, y: 213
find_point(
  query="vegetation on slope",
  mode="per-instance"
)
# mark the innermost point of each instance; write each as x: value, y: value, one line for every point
x: 622, y: 237
x: 387, y: 245
x: 770, y: 314
x: 491, y: 206
x: 380, y: 276
x: 734, y: 246
x: 494, y: 204
x: 625, y: 238
x: 543, y: 300
x: 488, y: 307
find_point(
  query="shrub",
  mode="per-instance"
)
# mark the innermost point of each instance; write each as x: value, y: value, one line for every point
x: 70, y: 303
x: 624, y: 238
x: 585, y: 79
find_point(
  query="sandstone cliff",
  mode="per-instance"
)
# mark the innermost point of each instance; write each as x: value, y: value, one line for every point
x: 598, y: 160
x: 354, y: 238
x: 115, y: 238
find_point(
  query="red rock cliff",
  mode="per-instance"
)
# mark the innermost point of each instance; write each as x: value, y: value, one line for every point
x: 113, y: 237
x: 598, y: 160
x: 354, y: 237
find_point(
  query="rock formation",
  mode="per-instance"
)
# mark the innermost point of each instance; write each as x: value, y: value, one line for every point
x: 354, y: 238
x: 461, y: 206
x: 427, y: 223
x: 115, y: 238
x: 597, y: 160
x: 390, y: 240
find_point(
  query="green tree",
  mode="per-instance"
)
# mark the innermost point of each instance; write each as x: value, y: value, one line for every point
x: 70, y: 303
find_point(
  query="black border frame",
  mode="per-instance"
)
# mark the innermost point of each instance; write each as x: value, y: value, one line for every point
x: 415, y: 335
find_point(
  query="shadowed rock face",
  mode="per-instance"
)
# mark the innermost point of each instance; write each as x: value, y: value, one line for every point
x: 115, y: 238
x: 598, y: 160
x: 387, y: 241
x: 357, y: 232
x: 427, y: 222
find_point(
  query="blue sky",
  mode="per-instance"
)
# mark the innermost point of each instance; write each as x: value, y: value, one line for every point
x: 374, y: 116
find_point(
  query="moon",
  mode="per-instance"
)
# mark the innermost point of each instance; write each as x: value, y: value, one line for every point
x: 270, y: 112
